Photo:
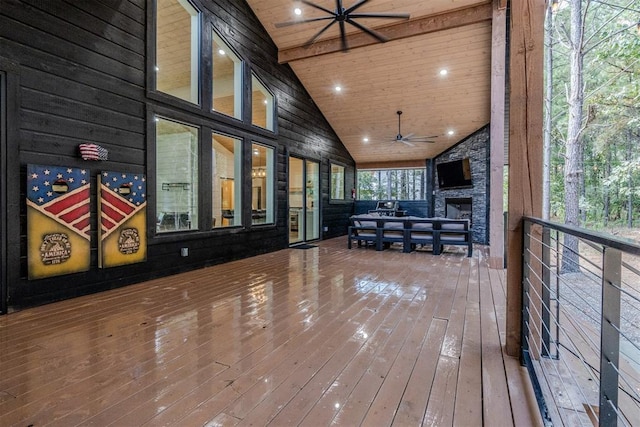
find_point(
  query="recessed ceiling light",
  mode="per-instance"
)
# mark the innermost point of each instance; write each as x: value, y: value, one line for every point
x: 365, y: 139
x: 297, y: 11
x: 338, y: 88
x: 444, y: 72
x: 450, y: 132
x: 221, y: 52
x: 265, y: 102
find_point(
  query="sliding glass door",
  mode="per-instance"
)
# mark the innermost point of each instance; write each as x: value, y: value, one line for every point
x: 304, y: 200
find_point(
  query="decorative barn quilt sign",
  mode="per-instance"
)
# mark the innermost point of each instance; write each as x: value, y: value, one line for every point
x: 122, y: 204
x: 58, y: 214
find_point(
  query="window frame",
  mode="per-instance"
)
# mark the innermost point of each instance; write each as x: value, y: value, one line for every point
x: 152, y: 182
x: 152, y: 80
x: 271, y: 183
x: 243, y: 75
x: 208, y: 122
x: 389, y: 171
x: 344, y: 198
x: 238, y: 189
x: 273, y: 120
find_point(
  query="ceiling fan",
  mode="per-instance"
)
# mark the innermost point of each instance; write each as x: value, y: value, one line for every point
x: 410, y: 138
x: 342, y: 15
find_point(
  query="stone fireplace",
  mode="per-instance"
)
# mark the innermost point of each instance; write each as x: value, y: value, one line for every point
x: 472, y: 201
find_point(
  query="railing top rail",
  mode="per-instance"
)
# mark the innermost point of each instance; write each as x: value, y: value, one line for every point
x: 624, y: 245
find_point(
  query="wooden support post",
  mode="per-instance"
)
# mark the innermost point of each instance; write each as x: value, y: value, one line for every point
x: 496, y: 167
x: 525, y: 145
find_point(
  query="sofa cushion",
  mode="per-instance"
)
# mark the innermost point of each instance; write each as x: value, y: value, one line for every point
x: 454, y: 226
x: 393, y: 225
x: 365, y: 220
x: 453, y: 237
x: 421, y: 236
x: 422, y: 226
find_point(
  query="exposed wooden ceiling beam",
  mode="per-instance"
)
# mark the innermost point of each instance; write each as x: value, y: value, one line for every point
x: 400, y: 30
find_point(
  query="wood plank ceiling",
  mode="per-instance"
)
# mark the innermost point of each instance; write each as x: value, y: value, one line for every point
x: 379, y: 79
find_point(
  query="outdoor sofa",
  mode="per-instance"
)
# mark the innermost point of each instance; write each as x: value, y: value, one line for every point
x: 410, y: 231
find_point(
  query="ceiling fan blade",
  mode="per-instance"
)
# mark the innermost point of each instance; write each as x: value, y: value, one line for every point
x: 415, y: 138
x: 409, y: 136
x: 302, y: 21
x: 308, y: 3
x: 421, y: 140
x: 355, y: 6
x: 372, y: 33
x: 381, y: 15
x: 343, y: 37
x: 313, y: 39
x: 404, y: 141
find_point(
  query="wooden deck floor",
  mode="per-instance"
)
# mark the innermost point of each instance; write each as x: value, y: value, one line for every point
x: 310, y: 337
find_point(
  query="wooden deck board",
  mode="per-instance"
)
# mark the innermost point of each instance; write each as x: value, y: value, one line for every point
x: 441, y: 403
x: 297, y: 337
x: 469, y: 387
x: 494, y: 382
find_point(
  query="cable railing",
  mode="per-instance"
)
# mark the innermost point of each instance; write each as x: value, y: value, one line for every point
x: 581, y: 324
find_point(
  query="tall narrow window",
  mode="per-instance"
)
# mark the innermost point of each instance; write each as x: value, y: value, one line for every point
x: 262, y: 179
x: 337, y: 182
x: 227, y: 79
x: 226, y: 181
x: 261, y: 104
x: 176, y: 176
x: 177, y: 49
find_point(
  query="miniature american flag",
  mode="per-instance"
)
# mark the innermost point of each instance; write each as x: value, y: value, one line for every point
x: 93, y: 152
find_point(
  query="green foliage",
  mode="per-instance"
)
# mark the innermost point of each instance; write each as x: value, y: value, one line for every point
x: 394, y: 184
x: 611, y: 117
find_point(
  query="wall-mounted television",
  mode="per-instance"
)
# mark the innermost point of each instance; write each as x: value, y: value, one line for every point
x: 454, y: 174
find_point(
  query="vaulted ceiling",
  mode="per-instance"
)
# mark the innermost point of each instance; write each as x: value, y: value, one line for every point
x: 402, y: 74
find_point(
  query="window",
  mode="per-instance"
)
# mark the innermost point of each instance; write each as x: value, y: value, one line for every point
x: 227, y: 79
x: 226, y: 181
x: 392, y: 184
x: 177, y: 49
x: 176, y: 176
x: 262, y: 179
x: 337, y: 182
x: 261, y: 104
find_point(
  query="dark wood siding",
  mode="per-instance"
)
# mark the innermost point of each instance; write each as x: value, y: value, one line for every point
x: 83, y: 78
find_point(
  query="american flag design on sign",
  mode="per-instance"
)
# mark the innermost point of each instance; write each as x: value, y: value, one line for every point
x: 62, y: 194
x: 122, y: 195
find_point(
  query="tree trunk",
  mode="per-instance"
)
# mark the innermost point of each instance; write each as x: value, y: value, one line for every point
x: 607, y: 197
x: 548, y: 120
x: 630, y: 183
x: 583, y: 189
x: 573, y: 150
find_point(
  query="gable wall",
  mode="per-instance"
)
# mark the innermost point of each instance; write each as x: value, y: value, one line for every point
x: 82, y: 73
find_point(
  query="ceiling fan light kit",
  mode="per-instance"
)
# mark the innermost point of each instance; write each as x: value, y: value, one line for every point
x: 342, y: 15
